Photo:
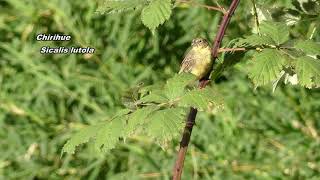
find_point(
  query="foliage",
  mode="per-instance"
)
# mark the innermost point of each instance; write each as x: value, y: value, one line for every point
x: 267, y: 66
x: 308, y: 70
x: 153, y: 14
x: 274, y: 56
x: 159, y: 118
x: 156, y: 13
x: 48, y: 100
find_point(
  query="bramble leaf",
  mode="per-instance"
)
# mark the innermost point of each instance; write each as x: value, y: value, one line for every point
x: 130, y: 97
x: 254, y: 40
x: 308, y: 71
x: 266, y: 67
x: 202, y: 99
x: 153, y: 98
x: 309, y: 47
x: 81, y: 137
x: 156, y: 13
x: 165, y: 124
x: 138, y: 118
x: 110, y: 6
x: 109, y: 133
x: 279, y: 32
x: 175, y: 86
x: 105, y: 134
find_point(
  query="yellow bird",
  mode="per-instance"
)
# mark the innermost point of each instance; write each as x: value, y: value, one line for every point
x: 197, y: 60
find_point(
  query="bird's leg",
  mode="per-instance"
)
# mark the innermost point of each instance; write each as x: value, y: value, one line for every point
x: 203, y: 83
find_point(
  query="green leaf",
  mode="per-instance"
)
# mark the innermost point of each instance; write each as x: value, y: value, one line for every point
x: 130, y: 97
x: 109, y: 133
x: 308, y: 71
x: 138, y: 118
x: 121, y: 112
x: 279, y: 32
x: 153, y: 98
x: 110, y: 6
x: 165, y: 124
x: 175, y: 86
x: 158, y: 87
x: 254, y: 40
x: 81, y: 137
x: 106, y: 133
x: 202, y: 99
x: 308, y: 47
x: 156, y: 13
x: 266, y: 67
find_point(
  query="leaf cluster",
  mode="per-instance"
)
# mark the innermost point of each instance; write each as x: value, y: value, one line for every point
x: 277, y: 57
x: 154, y: 111
x: 153, y: 13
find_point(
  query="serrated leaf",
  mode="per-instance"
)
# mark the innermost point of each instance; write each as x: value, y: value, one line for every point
x: 266, y: 67
x: 285, y: 3
x: 156, y: 13
x: 81, y: 137
x: 263, y: 13
x: 276, y: 82
x: 109, y: 133
x: 308, y: 47
x: 158, y: 87
x: 279, y: 32
x: 308, y: 71
x: 254, y: 40
x: 291, y: 19
x: 153, y: 98
x: 130, y: 97
x: 165, y: 124
x: 121, y: 113
x: 138, y: 118
x: 175, y: 86
x: 202, y: 99
x: 110, y: 6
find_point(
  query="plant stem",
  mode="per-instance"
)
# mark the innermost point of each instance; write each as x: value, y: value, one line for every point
x: 231, y: 49
x: 256, y: 16
x: 178, y: 167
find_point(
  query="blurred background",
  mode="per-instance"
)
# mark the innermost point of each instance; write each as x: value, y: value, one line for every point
x: 44, y: 99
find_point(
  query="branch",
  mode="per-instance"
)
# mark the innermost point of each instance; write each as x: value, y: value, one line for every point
x: 177, y: 170
x: 231, y: 49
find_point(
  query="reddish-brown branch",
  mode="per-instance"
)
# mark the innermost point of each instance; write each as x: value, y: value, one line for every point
x: 177, y: 170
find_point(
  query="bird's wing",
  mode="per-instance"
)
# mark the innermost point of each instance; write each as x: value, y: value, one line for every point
x: 188, y: 61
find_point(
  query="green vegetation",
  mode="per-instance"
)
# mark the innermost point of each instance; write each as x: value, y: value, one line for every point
x: 258, y: 134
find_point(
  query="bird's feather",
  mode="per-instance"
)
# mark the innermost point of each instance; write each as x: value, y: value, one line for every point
x: 188, y: 61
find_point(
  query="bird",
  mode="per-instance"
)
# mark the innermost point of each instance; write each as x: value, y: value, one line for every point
x: 197, y: 60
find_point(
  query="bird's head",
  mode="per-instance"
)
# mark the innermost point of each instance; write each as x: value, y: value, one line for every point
x: 200, y: 42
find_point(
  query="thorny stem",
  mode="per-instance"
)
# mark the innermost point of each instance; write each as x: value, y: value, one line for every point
x: 178, y: 167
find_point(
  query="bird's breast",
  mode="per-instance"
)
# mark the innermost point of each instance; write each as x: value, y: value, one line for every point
x: 203, y: 62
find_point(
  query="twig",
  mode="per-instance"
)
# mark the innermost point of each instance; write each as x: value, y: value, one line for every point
x: 219, y: 6
x: 203, y: 5
x: 231, y: 49
x: 177, y: 170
